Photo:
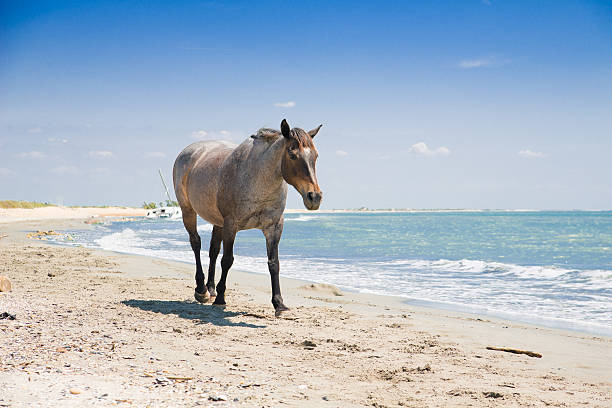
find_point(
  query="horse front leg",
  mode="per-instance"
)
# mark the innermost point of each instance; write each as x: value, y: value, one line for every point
x: 213, y: 252
x: 229, y: 235
x: 273, y: 236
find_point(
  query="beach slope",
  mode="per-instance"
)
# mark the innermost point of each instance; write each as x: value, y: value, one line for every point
x: 100, y: 328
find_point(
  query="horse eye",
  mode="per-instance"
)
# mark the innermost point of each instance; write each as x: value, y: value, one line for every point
x: 292, y: 155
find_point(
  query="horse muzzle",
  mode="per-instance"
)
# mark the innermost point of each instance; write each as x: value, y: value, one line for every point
x: 312, y: 200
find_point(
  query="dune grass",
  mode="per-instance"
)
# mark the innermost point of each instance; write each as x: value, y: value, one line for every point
x: 23, y: 204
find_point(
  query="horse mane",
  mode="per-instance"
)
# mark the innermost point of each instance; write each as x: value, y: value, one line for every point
x: 269, y: 135
x: 266, y: 134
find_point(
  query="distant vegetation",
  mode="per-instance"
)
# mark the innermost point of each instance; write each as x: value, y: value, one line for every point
x: 96, y: 206
x: 22, y: 204
x: 152, y: 205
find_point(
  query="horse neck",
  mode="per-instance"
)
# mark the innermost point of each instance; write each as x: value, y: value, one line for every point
x: 269, y: 170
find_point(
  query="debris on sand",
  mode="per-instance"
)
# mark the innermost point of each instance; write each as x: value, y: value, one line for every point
x: 163, y: 381
x: 323, y: 288
x: 5, y: 284
x: 96, y: 221
x: 46, y: 235
x: 8, y: 316
x: 419, y: 369
x: 515, y: 351
x: 178, y: 378
x: 107, y: 220
x: 42, y: 235
x: 308, y: 345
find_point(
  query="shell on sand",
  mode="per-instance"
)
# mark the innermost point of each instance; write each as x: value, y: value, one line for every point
x: 5, y: 284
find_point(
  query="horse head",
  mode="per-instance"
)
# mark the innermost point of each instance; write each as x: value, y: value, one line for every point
x: 299, y: 161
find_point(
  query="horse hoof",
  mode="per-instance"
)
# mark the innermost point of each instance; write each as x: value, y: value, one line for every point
x: 212, y: 292
x: 280, y: 309
x: 201, y: 297
x: 219, y: 302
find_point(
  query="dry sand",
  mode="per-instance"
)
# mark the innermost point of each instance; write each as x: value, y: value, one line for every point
x: 8, y: 215
x: 106, y: 329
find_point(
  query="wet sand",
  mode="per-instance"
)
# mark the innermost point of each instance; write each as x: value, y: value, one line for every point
x: 106, y: 329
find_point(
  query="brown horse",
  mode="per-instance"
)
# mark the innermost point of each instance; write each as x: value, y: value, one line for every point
x: 243, y: 187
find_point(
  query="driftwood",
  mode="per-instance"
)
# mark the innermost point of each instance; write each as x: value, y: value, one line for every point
x: 169, y: 377
x: 172, y: 377
x: 515, y: 351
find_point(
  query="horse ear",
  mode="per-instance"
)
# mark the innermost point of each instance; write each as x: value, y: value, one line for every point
x: 314, y: 132
x: 285, y: 129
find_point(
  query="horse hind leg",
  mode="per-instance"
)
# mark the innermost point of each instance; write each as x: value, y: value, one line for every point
x: 190, y: 222
x: 229, y: 235
x: 213, y: 253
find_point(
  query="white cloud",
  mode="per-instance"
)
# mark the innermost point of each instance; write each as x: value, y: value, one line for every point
x: 476, y: 63
x: 341, y: 153
x: 199, y: 134
x: 288, y: 104
x: 483, y: 62
x: 215, y: 135
x: 101, y: 154
x: 422, y: 149
x: 155, y: 155
x: 31, y: 155
x: 4, y: 172
x: 35, y: 130
x: 57, y: 140
x: 71, y: 170
x: 531, y: 155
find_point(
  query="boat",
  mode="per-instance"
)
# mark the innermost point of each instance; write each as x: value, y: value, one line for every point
x: 169, y: 212
x: 172, y: 213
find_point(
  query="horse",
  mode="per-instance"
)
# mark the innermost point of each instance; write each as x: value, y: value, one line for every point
x: 243, y: 187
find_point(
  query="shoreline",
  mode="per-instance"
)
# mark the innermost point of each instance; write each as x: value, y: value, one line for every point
x: 502, y: 318
x: 369, y: 349
x: 80, y: 213
x: 431, y: 210
x: 8, y: 215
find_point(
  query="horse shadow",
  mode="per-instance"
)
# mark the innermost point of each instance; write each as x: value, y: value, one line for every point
x: 201, y: 314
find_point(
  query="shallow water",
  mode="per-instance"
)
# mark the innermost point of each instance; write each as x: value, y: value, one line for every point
x: 549, y: 268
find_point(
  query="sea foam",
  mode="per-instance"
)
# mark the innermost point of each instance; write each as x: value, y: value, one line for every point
x: 359, y: 253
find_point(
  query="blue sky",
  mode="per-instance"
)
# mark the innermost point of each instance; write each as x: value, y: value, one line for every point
x: 469, y: 104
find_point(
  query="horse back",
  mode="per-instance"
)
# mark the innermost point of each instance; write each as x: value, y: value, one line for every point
x: 196, y: 178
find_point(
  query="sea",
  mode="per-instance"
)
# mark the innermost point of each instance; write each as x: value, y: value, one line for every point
x: 550, y: 268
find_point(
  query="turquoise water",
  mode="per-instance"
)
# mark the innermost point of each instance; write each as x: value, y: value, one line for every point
x: 549, y: 268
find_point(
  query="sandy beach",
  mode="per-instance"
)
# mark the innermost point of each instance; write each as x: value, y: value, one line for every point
x: 95, y: 328
x: 55, y: 212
